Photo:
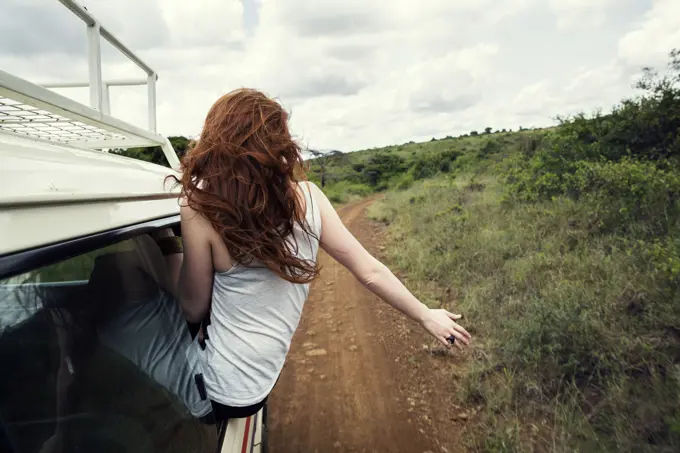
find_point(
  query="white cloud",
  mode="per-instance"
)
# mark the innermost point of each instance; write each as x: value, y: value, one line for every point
x: 581, y: 13
x: 208, y: 22
x: 140, y: 22
x: 449, y: 83
x: 586, y: 90
x: 360, y: 73
x: 606, y: 85
x: 656, y: 35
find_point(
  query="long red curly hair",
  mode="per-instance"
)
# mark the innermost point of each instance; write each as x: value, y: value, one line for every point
x: 241, y: 175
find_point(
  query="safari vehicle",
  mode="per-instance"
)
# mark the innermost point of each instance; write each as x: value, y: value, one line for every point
x: 96, y: 355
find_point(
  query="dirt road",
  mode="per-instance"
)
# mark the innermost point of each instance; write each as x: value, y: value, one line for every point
x: 340, y: 389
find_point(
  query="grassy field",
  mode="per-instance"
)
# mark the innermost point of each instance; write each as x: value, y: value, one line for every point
x: 577, y: 341
x: 354, y: 175
x: 562, y: 248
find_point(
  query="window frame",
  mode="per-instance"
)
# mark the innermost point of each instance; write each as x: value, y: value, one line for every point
x: 17, y: 263
x: 28, y: 260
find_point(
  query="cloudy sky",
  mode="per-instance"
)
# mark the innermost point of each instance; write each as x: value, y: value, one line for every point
x: 356, y: 73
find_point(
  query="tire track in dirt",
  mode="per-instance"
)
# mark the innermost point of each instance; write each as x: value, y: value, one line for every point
x: 339, y: 390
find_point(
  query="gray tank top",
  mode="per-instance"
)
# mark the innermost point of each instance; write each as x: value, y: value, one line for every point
x: 254, y: 315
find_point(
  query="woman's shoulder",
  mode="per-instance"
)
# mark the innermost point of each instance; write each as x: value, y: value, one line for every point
x: 312, y: 189
x: 187, y: 213
x: 308, y: 193
x: 312, y: 192
x: 306, y: 185
x: 194, y: 221
x: 305, y: 188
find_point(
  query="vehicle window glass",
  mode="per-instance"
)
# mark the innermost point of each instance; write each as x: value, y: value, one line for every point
x: 97, y: 357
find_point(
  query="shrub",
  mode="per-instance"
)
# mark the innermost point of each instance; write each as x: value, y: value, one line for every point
x: 628, y: 191
x: 576, y: 332
x: 402, y: 181
x: 492, y: 146
x: 381, y: 167
x: 646, y: 128
x: 344, y: 191
x: 424, y: 168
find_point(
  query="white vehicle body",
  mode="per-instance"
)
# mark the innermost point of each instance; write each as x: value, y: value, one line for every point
x: 63, y: 196
x: 51, y: 193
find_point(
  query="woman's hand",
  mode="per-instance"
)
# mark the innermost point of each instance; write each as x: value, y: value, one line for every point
x: 441, y: 325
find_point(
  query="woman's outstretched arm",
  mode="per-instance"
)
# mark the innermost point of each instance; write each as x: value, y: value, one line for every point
x: 340, y: 244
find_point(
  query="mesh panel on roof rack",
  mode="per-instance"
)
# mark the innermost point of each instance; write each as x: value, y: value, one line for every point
x: 25, y: 119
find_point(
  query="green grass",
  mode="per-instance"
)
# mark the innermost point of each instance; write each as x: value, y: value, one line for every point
x: 353, y: 175
x: 344, y: 192
x: 576, y: 331
x: 562, y: 248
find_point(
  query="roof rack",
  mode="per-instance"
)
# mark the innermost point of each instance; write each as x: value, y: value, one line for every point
x: 31, y: 110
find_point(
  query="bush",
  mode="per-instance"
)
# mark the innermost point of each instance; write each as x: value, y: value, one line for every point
x: 628, y: 191
x: 577, y: 331
x: 402, y: 181
x: 646, y: 128
x: 344, y: 191
x: 381, y: 167
x: 492, y: 146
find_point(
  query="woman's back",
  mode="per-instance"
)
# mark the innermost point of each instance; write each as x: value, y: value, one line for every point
x: 254, y: 313
x: 251, y: 236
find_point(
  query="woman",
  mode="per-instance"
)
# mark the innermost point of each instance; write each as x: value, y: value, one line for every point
x: 251, y: 232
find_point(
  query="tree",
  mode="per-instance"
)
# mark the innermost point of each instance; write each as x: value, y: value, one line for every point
x: 322, y: 158
x: 382, y: 166
x: 155, y: 154
x: 180, y: 144
x: 487, y: 130
x: 474, y: 133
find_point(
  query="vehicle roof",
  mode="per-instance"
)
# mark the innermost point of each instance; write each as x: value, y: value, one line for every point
x: 52, y: 192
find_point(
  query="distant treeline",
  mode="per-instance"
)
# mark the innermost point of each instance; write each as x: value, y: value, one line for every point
x: 155, y: 154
